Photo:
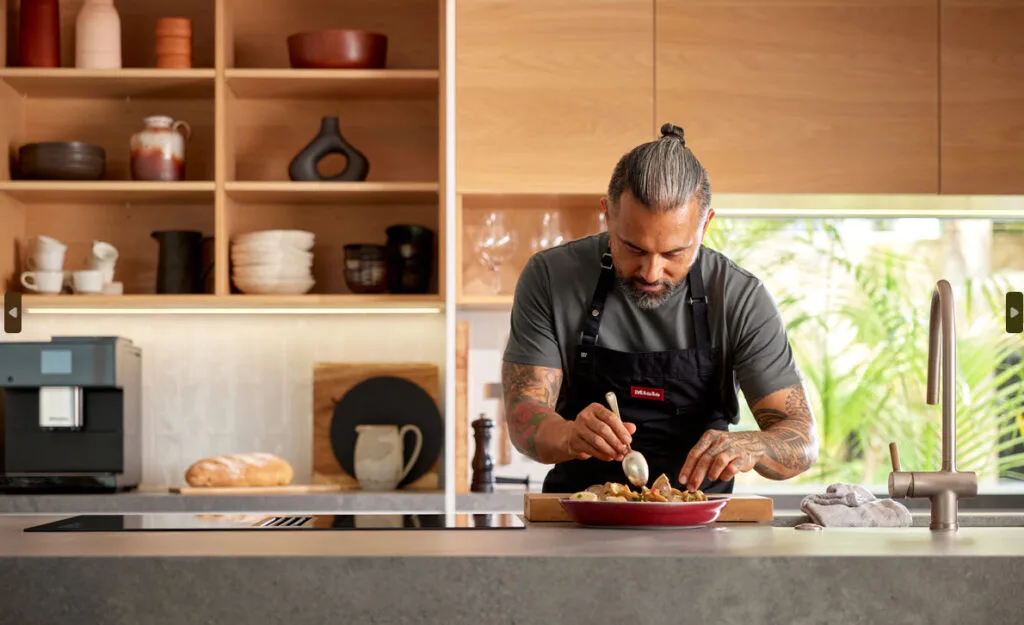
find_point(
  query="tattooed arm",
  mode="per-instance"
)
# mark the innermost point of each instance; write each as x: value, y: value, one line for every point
x: 786, y: 446
x: 533, y: 425
x: 788, y: 431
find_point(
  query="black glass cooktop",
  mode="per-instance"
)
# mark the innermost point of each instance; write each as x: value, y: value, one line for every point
x: 172, y: 522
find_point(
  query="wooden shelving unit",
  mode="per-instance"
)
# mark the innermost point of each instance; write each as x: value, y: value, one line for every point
x: 250, y: 114
x: 331, y: 303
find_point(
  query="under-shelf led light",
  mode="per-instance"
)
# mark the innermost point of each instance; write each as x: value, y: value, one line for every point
x: 230, y: 311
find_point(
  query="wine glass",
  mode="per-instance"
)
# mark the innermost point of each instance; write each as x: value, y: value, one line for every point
x: 550, y: 233
x: 496, y: 246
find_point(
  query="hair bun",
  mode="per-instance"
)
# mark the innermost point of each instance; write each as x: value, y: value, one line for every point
x: 671, y: 130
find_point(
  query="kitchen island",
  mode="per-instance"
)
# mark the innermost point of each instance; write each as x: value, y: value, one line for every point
x: 546, y: 573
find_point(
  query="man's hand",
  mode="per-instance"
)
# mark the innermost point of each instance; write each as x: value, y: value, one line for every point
x: 720, y: 456
x: 598, y: 433
x: 786, y: 446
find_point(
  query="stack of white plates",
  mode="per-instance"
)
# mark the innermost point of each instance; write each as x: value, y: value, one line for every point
x: 273, y: 262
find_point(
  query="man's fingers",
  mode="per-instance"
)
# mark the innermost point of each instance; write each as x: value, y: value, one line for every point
x: 718, y: 465
x: 617, y: 426
x: 730, y: 470
x: 603, y: 430
x: 594, y: 445
x: 700, y: 471
x: 692, y: 457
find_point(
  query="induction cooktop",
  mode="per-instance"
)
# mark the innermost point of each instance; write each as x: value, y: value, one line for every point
x: 172, y: 522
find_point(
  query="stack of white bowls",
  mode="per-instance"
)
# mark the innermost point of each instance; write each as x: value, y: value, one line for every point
x: 278, y: 262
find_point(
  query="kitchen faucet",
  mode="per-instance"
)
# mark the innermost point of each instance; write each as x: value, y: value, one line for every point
x: 944, y: 487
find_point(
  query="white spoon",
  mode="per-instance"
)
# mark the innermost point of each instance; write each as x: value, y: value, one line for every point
x: 634, y: 465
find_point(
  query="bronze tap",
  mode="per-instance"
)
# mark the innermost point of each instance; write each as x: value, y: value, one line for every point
x: 944, y: 487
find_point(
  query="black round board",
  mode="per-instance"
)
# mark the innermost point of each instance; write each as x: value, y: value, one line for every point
x: 388, y: 401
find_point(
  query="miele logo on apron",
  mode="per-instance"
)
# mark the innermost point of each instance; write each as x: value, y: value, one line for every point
x: 642, y: 392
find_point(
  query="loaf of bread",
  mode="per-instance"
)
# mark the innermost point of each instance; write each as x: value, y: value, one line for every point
x: 248, y: 469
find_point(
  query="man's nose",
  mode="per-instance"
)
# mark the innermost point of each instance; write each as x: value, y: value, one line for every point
x: 653, y: 269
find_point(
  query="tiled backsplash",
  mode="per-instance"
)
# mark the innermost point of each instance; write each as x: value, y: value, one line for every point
x: 216, y: 384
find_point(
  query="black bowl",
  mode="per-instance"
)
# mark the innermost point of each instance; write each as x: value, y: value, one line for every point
x: 61, y: 160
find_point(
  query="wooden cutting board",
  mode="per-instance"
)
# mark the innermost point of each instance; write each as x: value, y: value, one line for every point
x: 289, y: 489
x: 331, y: 381
x: 544, y: 507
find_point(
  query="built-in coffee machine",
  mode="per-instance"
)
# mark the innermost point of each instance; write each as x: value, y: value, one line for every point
x: 70, y: 415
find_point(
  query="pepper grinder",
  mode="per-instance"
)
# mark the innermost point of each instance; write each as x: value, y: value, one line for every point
x: 483, y: 463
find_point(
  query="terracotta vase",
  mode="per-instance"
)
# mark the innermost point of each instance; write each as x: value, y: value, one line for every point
x: 330, y: 141
x: 174, y: 43
x: 39, y: 33
x: 98, y: 36
x: 158, y: 150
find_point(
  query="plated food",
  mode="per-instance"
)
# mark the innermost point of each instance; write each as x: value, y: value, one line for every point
x: 661, y: 491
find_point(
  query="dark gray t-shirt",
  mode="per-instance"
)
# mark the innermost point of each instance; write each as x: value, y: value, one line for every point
x: 553, y: 295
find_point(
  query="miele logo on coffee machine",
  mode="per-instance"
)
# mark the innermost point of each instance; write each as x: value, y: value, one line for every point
x: 643, y: 392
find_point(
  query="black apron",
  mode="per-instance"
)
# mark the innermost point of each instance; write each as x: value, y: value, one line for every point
x: 672, y: 397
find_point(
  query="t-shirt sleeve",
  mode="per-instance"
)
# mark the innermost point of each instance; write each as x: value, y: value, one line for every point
x: 532, y: 339
x: 762, y: 356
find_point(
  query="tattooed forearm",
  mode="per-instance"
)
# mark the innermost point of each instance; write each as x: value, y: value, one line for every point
x: 788, y: 432
x: 530, y: 394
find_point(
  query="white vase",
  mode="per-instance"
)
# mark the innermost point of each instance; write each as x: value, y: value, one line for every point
x: 98, y: 36
x: 378, y: 455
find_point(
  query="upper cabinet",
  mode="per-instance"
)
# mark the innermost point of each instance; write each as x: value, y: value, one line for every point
x: 982, y: 47
x: 794, y: 96
x: 550, y: 93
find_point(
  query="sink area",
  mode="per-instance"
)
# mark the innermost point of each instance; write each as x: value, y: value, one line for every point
x: 922, y: 518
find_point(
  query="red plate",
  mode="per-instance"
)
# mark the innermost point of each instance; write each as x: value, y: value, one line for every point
x: 644, y: 513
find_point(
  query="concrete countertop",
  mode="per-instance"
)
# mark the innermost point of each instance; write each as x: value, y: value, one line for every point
x: 547, y: 573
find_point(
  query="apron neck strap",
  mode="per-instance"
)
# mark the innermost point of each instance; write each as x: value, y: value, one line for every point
x: 606, y: 282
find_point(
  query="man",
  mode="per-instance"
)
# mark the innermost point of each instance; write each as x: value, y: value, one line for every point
x: 674, y: 329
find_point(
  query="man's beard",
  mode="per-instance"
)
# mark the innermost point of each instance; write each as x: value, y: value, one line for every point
x: 647, y: 300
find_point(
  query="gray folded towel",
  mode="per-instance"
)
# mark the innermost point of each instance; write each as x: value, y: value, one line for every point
x: 850, y: 505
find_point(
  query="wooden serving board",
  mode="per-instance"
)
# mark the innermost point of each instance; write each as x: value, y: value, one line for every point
x: 331, y: 381
x: 544, y: 507
x: 289, y: 489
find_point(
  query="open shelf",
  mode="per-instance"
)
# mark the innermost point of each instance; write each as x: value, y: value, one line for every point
x: 399, y: 137
x: 108, y: 192
x: 524, y: 213
x: 367, y: 304
x: 165, y: 84
x: 258, y: 37
x: 332, y: 192
x: 332, y: 84
x: 484, y: 302
x: 335, y: 224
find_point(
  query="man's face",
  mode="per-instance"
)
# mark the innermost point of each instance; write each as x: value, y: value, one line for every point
x: 652, y: 251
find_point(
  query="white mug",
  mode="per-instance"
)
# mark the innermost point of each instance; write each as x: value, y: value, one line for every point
x: 103, y: 252
x: 88, y: 281
x: 105, y: 267
x: 49, y: 259
x: 43, y: 281
x: 113, y: 288
x: 45, y: 244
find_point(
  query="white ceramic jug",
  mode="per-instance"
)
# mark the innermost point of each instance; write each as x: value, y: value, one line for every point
x: 378, y: 455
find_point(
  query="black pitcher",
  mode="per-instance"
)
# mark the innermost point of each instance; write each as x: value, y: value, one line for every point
x: 180, y: 265
x: 410, y: 259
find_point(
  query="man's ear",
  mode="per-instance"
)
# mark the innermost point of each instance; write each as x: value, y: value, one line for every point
x: 707, y: 222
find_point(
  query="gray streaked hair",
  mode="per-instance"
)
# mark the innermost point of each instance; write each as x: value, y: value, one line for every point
x: 662, y: 175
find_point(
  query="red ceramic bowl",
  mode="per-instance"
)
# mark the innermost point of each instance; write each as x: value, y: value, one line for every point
x: 338, y: 49
x: 643, y: 513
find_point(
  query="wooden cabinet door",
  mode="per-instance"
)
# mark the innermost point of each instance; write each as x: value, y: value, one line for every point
x: 804, y: 96
x: 982, y: 96
x: 550, y: 93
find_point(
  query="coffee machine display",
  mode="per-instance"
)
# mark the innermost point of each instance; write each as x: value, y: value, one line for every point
x: 70, y: 415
